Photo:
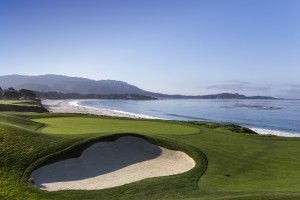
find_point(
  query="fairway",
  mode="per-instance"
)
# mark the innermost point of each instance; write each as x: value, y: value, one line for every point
x: 18, y: 102
x: 79, y: 125
x: 230, y: 164
x: 245, y: 163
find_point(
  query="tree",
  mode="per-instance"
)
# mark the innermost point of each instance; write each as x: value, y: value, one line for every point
x: 1, y: 93
x: 27, y: 94
x: 11, y: 89
x: 11, y: 94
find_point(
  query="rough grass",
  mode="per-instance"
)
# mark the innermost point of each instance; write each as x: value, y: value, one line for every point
x: 240, y: 166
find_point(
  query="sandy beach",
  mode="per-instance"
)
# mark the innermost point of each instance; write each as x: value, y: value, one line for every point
x: 71, y: 106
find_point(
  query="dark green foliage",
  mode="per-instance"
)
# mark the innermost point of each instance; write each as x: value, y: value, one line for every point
x: 230, y: 127
x: 37, y: 109
x: 27, y: 94
x: 61, y: 95
x: 1, y: 93
x: 12, y: 94
x: 237, y: 129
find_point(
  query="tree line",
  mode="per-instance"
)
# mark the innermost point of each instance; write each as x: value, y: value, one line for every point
x: 13, y: 94
x: 61, y: 95
x: 24, y: 94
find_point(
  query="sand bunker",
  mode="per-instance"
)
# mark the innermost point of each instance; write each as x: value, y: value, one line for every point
x: 110, y: 164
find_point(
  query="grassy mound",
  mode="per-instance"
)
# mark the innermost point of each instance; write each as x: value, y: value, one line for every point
x: 22, y: 106
x: 237, y: 165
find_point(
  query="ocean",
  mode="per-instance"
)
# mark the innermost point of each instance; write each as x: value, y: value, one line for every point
x: 277, y: 117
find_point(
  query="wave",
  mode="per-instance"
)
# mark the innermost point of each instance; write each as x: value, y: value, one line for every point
x: 275, y: 132
x: 188, y: 117
x: 76, y: 103
x: 137, y: 115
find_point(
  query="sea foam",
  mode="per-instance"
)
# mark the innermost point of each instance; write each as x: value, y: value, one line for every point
x: 76, y: 103
x: 262, y: 131
x: 275, y: 132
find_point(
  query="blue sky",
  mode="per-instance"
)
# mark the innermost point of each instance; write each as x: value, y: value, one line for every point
x: 170, y: 46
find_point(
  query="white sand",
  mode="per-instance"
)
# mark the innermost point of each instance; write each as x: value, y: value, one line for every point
x: 110, y: 164
x: 70, y: 106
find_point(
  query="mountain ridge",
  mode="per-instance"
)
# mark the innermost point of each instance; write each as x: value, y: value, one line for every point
x: 66, y: 84
x: 79, y: 85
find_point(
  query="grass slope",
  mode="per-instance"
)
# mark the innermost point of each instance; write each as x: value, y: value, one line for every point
x: 22, y: 106
x: 79, y: 125
x: 240, y: 166
x: 19, y: 102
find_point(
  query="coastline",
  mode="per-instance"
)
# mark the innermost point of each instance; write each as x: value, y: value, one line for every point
x: 262, y: 131
x: 72, y: 106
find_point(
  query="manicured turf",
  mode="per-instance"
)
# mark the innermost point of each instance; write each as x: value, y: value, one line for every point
x: 22, y: 106
x: 249, y: 163
x: 19, y: 102
x: 240, y: 166
x: 79, y: 125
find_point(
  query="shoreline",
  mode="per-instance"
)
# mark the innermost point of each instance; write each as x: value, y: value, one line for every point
x: 262, y: 131
x: 72, y: 106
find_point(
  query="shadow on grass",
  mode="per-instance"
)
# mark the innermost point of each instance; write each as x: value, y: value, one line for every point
x: 98, y: 159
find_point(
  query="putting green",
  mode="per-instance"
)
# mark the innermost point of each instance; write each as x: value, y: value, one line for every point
x: 80, y: 125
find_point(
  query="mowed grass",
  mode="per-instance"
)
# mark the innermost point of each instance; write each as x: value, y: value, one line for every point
x: 80, y: 125
x: 240, y: 166
x: 247, y: 163
x: 18, y: 102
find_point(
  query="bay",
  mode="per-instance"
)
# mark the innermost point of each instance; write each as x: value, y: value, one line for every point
x: 278, y: 117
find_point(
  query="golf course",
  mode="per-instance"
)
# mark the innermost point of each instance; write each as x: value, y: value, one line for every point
x: 226, y: 161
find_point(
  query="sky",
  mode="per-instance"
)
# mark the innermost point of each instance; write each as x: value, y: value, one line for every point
x: 189, y: 47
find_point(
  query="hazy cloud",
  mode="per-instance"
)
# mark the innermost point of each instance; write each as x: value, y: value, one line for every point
x: 290, y: 90
x: 247, y: 88
x: 235, y: 85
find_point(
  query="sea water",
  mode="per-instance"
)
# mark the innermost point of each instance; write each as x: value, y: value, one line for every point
x: 277, y: 117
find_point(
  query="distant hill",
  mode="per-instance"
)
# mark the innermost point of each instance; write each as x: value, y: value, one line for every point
x: 66, y: 84
x: 60, y: 95
x: 231, y: 96
x: 58, y: 83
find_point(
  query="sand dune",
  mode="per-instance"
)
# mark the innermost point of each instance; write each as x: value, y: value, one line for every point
x: 110, y: 164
